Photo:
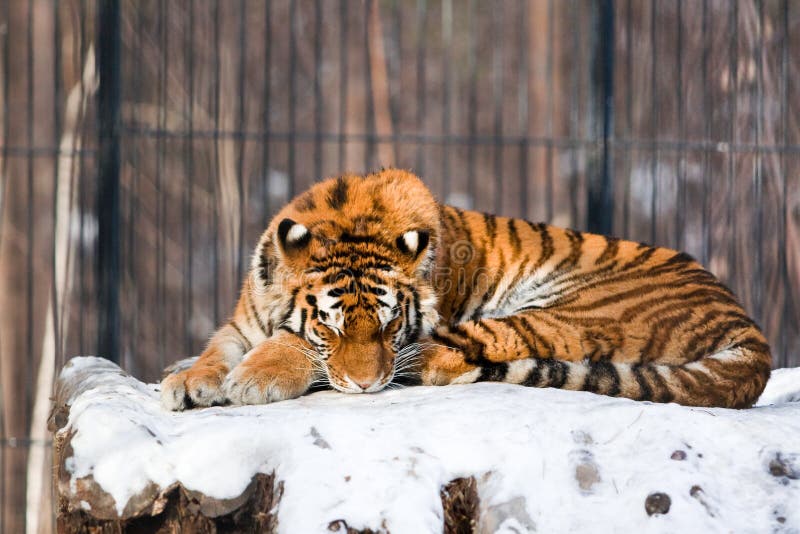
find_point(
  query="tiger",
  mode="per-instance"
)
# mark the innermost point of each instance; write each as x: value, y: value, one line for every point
x: 362, y: 282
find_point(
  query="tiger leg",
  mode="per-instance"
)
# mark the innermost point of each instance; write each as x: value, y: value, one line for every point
x: 201, y: 384
x: 279, y: 368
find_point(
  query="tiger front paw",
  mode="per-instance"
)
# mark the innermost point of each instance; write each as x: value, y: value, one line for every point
x: 200, y: 385
x: 256, y: 381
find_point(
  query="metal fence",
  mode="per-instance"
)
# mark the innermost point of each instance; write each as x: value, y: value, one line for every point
x: 146, y: 143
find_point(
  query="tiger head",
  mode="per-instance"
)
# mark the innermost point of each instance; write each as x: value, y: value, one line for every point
x: 352, y: 260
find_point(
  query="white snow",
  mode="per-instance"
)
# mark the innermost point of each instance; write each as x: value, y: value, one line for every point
x: 379, y: 460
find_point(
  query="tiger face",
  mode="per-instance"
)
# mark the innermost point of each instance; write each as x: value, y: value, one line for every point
x: 361, y: 295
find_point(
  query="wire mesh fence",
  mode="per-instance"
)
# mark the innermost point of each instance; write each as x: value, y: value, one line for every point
x: 145, y: 145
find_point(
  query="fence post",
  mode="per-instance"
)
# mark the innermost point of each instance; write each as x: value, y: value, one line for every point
x: 600, y: 179
x: 108, y: 169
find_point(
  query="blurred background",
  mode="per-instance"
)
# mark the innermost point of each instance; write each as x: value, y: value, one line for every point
x: 144, y: 145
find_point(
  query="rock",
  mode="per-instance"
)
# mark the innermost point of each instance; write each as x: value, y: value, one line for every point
x: 657, y: 503
x: 678, y: 455
x: 783, y: 467
x: 587, y: 475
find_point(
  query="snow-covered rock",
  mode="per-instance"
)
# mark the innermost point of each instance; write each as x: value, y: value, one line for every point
x: 544, y: 460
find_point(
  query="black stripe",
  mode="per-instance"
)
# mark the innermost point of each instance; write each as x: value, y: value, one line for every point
x: 534, y: 376
x: 338, y: 195
x: 665, y: 393
x: 512, y: 323
x: 265, y: 265
x: 493, y: 372
x: 513, y: 237
x: 306, y: 202
x: 490, y: 291
x: 568, y: 263
x: 597, y: 373
x: 547, y: 242
x: 303, y: 317
x: 721, y: 331
x: 417, y: 328
x: 753, y: 344
x: 292, y: 305
x: 660, y: 334
x: 246, y: 345
x: 611, y: 250
x: 491, y: 226
x: 641, y: 258
x: 646, y: 391
x: 681, y: 258
x: 258, y: 318
x: 558, y: 372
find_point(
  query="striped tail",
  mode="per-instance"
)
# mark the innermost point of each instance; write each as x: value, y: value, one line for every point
x: 730, y: 378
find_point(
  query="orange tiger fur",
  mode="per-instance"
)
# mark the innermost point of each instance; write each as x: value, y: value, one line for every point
x: 364, y: 280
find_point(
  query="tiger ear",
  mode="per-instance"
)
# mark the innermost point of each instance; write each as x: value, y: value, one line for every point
x: 413, y: 242
x: 292, y: 236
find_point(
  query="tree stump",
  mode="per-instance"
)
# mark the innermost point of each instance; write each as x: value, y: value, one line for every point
x: 457, y: 459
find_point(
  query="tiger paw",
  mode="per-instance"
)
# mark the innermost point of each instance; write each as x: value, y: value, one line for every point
x: 441, y: 365
x: 264, y: 380
x: 200, y: 385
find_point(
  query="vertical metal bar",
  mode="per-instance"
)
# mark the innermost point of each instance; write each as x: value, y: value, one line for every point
x: 422, y: 39
x: 574, y: 113
x: 108, y: 167
x: 267, y: 99
x: 447, y: 82
x: 342, y: 83
x: 57, y: 99
x: 733, y: 70
x: 397, y: 19
x: 626, y: 196
x: 680, y: 212
x: 369, y: 116
x: 549, y: 194
x: 522, y: 105
x: 82, y: 203
x: 3, y: 181
x: 706, y: 220
x: 133, y: 198
x: 318, y: 29
x: 600, y: 187
x: 472, y: 113
x: 188, y: 163
x: 216, y: 159
x: 240, y: 249
x: 654, y: 122
x: 758, y: 199
x: 788, y: 304
x: 4, y: 148
x: 162, y: 25
x: 292, y: 96
x: 497, y: 95
x: 29, y: 233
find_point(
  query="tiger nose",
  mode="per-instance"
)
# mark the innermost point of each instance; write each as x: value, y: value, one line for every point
x: 364, y: 385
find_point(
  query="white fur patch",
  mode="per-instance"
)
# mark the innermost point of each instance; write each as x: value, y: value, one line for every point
x: 411, y: 240
x: 296, y: 233
x: 386, y: 314
x: 518, y: 370
x: 577, y: 375
x: 335, y: 316
x: 467, y: 378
